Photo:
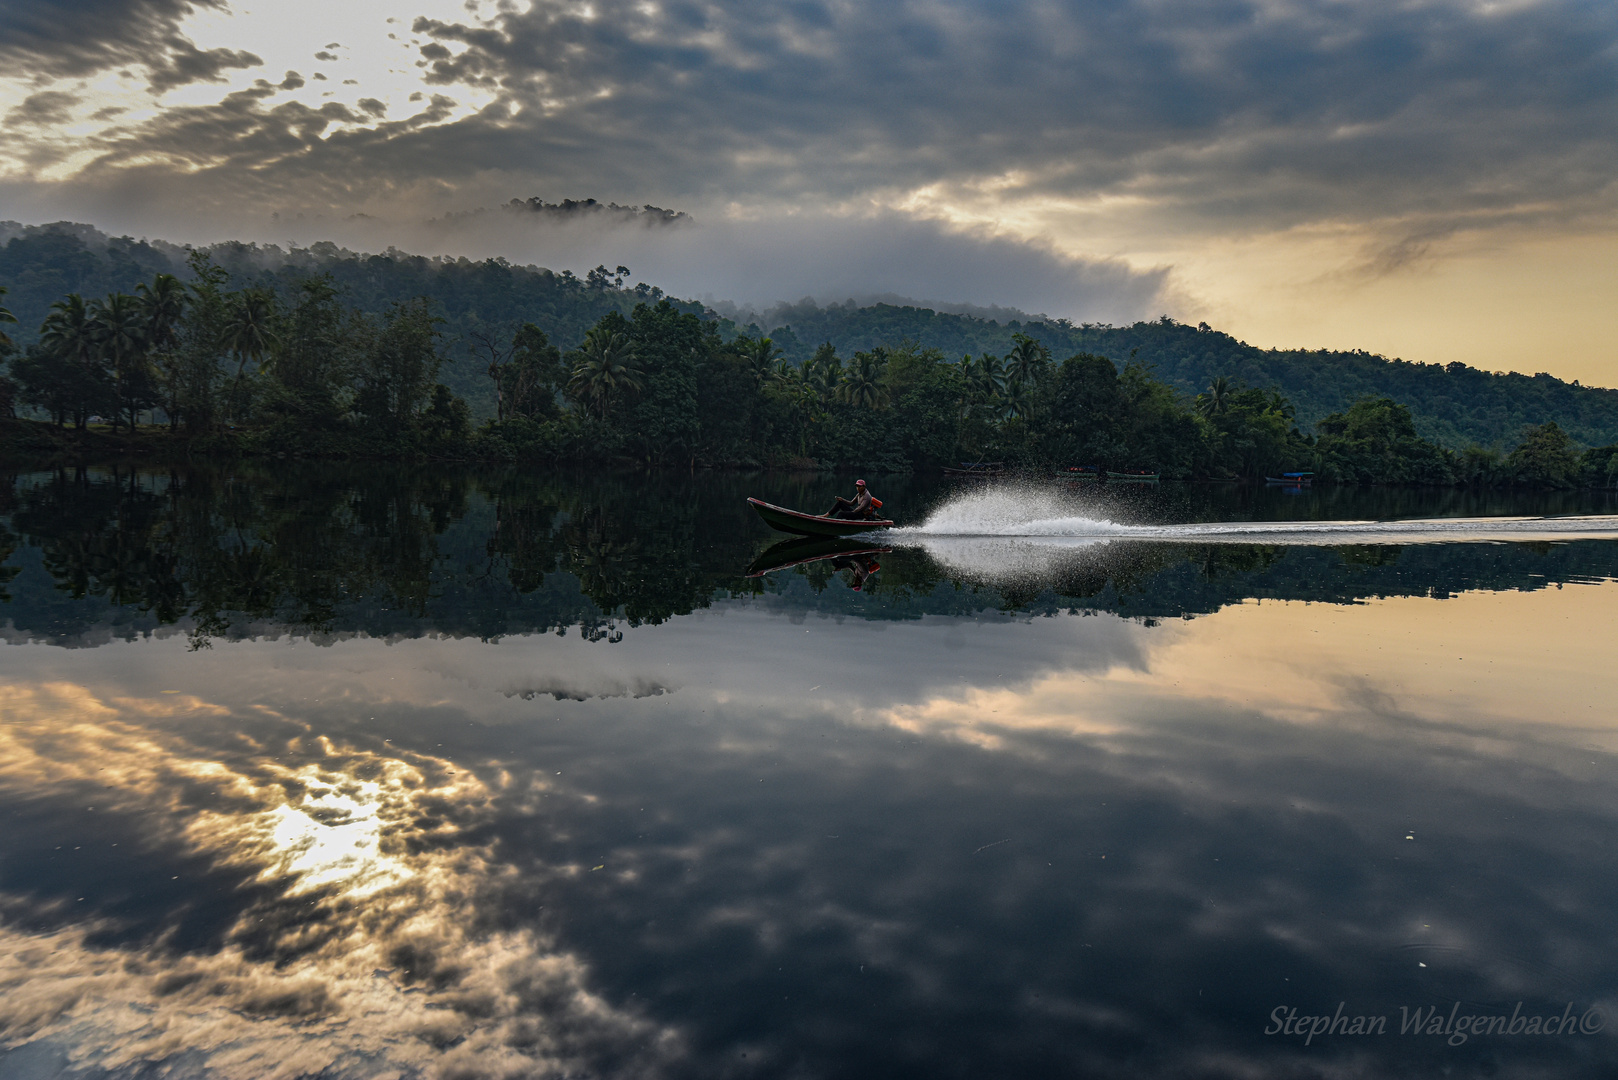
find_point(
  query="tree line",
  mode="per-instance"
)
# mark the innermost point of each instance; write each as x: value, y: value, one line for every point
x: 1455, y: 405
x: 288, y: 367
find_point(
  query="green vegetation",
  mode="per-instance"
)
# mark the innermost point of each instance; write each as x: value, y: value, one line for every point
x: 1454, y: 405
x: 321, y: 352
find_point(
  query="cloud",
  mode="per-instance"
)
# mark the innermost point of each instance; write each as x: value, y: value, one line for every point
x: 1283, y: 112
x: 45, y: 107
x: 46, y: 39
x: 343, y: 943
x: 184, y: 64
x: 1208, y: 116
x: 1135, y: 130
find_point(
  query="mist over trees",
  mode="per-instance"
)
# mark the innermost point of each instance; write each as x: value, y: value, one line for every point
x: 571, y: 210
x: 321, y: 351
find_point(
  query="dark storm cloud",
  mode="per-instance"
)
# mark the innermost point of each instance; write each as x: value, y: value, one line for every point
x: 1289, y: 110
x: 50, y: 39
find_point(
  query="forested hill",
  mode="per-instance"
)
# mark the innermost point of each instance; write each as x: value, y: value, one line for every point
x: 1457, y: 405
x: 41, y: 264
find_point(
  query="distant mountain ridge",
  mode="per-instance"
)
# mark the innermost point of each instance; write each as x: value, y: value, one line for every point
x: 1455, y: 404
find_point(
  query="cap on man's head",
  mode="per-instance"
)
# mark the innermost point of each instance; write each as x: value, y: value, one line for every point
x: 859, y: 483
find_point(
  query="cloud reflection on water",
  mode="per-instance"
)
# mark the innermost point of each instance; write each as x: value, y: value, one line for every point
x: 355, y: 942
x: 1008, y: 839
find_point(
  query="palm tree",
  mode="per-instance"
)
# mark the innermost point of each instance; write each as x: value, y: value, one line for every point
x: 606, y: 368
x: 861, y: 384
x: 759, y: 355
x: 794, y: 385
x: 1026, y: 360
x: 5, y: 317
x: 822, y: 375
x: 67, y: 335
x: 65, y: 331
x: 163, y: 303
x: 1278, y: 404
x: 118, y: 326
x: 1216, y: 399
x: 1018, y: 400
x: 788, y: 378
x: 986, y: 377
x: 249, y: 333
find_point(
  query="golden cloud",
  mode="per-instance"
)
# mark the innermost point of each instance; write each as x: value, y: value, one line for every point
x: 358, y: 948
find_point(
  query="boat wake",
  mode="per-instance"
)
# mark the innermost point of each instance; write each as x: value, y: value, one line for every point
x: 1034, y: 519
x: 1011, y: 536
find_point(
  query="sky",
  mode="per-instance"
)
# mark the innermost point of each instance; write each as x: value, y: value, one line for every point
x: 1432, y: 179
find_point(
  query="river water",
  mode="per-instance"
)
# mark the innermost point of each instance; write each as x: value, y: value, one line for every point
x: 356, y: 772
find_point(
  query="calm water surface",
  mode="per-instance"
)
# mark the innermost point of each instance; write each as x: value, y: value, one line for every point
x: 332, y: 772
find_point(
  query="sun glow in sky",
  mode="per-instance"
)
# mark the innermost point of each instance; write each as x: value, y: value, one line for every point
x: 357, y: 56
x: 347, y: 52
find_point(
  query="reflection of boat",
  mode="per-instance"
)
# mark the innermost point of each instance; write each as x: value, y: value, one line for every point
x: 976, y: 468
x: 794, y: 521
x: 1135, y: 477
x: 1294, y: 479
x: 808, y: 549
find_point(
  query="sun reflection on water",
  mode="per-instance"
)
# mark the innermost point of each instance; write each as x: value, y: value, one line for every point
x: 357, y: 946
x: 334, y: 839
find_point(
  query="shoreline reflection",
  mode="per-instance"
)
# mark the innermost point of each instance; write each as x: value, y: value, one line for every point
x: 88, y: 556
x: 392, y: 823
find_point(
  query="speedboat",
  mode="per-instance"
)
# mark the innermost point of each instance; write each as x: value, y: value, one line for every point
x: 795, y: 521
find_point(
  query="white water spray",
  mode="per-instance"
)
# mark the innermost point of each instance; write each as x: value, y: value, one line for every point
x: 1011, y: 511
x: 1043, y: 517
x: 1011, y: 533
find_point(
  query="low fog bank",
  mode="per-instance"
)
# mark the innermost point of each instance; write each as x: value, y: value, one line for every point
x: 751, y: 266
x: 782, y: 312
x: 742, y: 267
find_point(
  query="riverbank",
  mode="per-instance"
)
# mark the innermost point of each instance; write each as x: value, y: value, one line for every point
x: 41, y: 444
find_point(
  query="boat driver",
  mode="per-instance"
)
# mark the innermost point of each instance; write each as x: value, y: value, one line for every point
x: 857, y: 508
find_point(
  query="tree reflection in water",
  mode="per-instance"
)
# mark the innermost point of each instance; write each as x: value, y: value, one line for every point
x: 323, y: 550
